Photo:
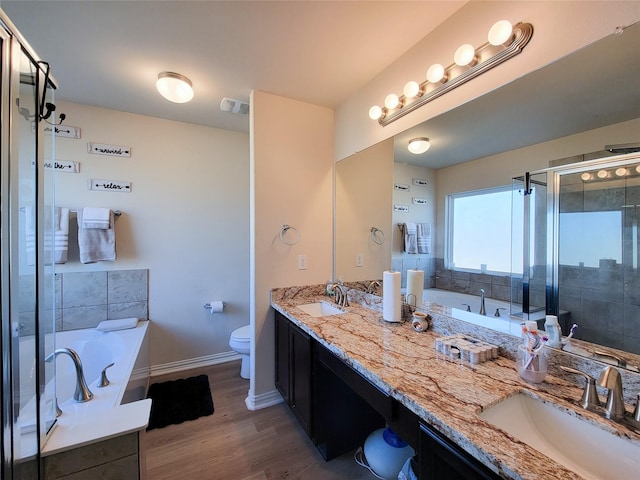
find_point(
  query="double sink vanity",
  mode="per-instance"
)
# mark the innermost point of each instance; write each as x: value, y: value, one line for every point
x: 345, y: 373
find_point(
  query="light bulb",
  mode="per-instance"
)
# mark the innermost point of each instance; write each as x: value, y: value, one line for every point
x: 602, y: 174
x: 464, y: 55
x: 500, y: 32
x: 621, y: 172
x: 419, y: 145
x: 411, y: 89
x: 375, y: 112
x: 174, y: 87
x: 391, y: 101
x: 435, y: 73
x: 585, y: 177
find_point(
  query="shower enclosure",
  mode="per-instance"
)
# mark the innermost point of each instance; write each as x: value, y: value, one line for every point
x: 578, y: 257
x: 27, y: 281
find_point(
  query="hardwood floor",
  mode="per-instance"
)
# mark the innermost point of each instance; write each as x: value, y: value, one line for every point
x: 237, y: 444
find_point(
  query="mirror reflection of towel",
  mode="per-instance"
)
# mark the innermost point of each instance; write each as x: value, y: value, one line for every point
x: 410, y: 237
x: 424, y: 238
x: 96, y: 244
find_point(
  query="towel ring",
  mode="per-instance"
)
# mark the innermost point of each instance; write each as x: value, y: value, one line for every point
x: 377, y: 236
x: 283, y: 232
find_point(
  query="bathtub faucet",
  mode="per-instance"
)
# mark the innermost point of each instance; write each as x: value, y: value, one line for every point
x: 482, y: 310
x: 82, y: 393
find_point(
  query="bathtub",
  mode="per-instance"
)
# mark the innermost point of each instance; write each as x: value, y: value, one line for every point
x: 105, y: 415
x: 456, y: 302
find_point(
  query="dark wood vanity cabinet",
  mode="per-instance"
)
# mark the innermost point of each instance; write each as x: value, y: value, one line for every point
x: 339, y: 408
x: 441, y: 459
x: 294, y: 376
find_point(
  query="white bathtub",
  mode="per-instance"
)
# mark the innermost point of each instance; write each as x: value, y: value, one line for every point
x: 104, y: 416
x: 458, y: 302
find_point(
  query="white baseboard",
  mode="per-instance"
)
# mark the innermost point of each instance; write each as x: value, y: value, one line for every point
x: 191, y: 363
x: 264, y: 400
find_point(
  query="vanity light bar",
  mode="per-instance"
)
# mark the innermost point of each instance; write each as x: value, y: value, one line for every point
x: 468, y: 64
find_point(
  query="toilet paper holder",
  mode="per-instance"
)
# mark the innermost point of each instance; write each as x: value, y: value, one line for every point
x: 212, y: 305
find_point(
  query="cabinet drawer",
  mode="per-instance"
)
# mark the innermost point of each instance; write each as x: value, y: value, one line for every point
x: 379, y: 400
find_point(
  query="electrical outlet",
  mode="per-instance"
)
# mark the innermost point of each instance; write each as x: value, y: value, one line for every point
x: 302, y: 261
x: 359, y: 260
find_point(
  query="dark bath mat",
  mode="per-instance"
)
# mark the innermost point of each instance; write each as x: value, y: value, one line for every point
x: 177, y: 401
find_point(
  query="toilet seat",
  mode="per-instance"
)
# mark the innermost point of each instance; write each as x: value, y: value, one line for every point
x: 240, y: 341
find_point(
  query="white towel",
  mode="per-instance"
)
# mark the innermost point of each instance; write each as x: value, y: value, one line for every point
x: 96, y: 244
x: 96, y: 218
x: 56, y: 222
x: 410, y: 237
x: 121, y: 324
x: 424, y: 238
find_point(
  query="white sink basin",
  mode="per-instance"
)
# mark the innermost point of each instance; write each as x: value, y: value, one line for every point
x: 320, y: 309
x: 584, y: 448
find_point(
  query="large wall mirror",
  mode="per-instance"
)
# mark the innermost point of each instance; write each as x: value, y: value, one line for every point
x: 477, y: 147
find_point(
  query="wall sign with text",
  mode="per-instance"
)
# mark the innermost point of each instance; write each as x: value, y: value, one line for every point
x: 110, y: 186
x: 113, y: 150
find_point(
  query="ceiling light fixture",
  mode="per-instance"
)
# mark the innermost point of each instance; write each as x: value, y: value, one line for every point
x: 419, y: 145
x: 504, y: 42
x: 174, y: 87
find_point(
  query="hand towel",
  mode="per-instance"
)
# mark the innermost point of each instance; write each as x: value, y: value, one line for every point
x: 410, y: 237
x: 424, y: 238
x: 56, y: 235
x: 113, y: 325
x: 96, y: 244
x: 96, y: 218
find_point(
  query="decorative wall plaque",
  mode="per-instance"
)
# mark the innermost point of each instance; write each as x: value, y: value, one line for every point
x: 110, y: 186
x: 420, y: 182
x: 401, y: 208
x: 65, y: 131
x: 420, y: 201
x: 114, y: 150
x: 403, y: 187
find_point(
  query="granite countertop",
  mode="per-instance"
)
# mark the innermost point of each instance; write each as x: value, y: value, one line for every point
x: 446, y: 394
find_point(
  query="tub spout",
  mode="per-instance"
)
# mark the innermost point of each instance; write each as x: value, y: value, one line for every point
x: 82, y: 393
x: 482, y: 310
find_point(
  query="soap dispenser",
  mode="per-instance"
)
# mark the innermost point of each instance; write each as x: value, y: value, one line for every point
x: 554, y: 333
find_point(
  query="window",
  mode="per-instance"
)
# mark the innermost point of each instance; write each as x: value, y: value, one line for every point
x: 479, y: 230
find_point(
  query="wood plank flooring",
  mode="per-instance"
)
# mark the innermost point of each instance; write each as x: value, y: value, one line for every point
x: 237, y: 444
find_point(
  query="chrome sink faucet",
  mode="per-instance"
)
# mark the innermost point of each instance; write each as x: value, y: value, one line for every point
x: 590, y: 399
x: 482, y: 310
x: 341, y: 294
x: 611, y: 379
x: 82, y: 393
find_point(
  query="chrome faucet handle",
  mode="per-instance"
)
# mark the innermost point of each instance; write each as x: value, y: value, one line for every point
x: 636, y: 410
x: 104, y: 381
x: 611, y: 379
x: 590, y: 399
x: 621, y: 362
x: 468, y: 306
x: 497, y: 314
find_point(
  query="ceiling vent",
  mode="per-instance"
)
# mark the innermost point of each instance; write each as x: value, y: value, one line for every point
x: 234, y: 106
x: 623, y: 148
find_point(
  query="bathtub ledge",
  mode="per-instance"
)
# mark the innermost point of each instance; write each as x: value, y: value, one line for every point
x: 86, y: 429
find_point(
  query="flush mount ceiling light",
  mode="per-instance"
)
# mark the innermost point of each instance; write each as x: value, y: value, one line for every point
x: 174, y: 87
x: 504, y: 41
x: 419, y: 145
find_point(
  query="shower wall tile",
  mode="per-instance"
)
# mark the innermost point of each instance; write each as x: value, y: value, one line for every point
x: 127, y: 310
x: 83, y: 317
x: 501, y: 292
x: 83, y: 289
x: 127, y: 286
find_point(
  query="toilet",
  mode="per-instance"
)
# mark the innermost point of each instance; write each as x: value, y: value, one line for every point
x: 239, y: 341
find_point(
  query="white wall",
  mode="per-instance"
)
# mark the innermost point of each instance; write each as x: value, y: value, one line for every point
x: 186, y: 220
x: 292, y: 177
x: 560, y: 27
x: 498, y: 170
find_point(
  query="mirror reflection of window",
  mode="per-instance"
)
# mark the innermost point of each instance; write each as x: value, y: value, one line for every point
x: 589, y: 238
x: 479, y: 230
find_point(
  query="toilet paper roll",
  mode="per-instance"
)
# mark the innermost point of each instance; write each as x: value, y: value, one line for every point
x: 216, y: 306
x: 391, y: 303
x: 415, y: 286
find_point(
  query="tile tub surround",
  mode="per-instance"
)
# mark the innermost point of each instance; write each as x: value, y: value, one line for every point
x: 445, y: 394
x: 84, y: 299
